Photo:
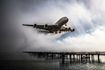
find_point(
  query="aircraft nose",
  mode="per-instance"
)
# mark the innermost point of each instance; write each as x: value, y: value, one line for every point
x: 66, y: 19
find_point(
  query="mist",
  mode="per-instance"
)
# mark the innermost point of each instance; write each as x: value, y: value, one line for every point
x: 86, y: 17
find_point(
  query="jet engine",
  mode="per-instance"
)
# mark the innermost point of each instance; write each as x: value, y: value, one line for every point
x: 69, y: 28
x: 45, y: 26
x: 72, y: 30
x: 35, y: 25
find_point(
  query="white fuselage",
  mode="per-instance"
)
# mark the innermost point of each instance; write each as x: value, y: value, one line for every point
x: 62, y: 21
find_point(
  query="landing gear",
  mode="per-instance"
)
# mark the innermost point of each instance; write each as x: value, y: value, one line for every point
x: 51, y: 32
x: 59, y: 31
x: 66, y: 24
x: 56, y: 32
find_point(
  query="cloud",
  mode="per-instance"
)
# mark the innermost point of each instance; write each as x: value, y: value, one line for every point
x: 87, y: 17
x: 88, y: 42
x: 81, y: 18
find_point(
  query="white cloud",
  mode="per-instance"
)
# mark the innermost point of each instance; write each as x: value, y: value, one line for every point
x: 88, y: 42
x: 88, y: 22
x: 82, y: 18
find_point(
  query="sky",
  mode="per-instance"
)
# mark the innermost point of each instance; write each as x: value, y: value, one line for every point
x: 87, y: 17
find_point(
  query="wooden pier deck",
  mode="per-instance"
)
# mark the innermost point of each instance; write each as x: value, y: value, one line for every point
x: 72, y: 56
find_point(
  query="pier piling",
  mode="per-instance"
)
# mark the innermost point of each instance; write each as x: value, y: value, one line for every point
x: 73, y: 56
x: 98, y: 58
x: 63, y: 58
x: 92, y: 56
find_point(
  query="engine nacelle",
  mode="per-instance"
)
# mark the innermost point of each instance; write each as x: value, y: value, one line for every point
x: 69, y: 28
x: 45, y: 26
x: 35, y: 25
x: 72, y: 30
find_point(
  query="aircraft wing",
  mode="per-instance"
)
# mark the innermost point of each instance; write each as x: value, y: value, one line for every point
x: 67, y: 29
x: 34, y: 26
x: 46, y: 27
x: 27, y: 25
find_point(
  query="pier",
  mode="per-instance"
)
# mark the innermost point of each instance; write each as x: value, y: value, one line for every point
x: 72, y: 56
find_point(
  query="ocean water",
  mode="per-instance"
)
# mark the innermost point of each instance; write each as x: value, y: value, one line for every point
x: 22, y: 61
x: 48, y: 65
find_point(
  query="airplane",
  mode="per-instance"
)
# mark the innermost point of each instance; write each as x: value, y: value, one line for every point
x: 57, y: 27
